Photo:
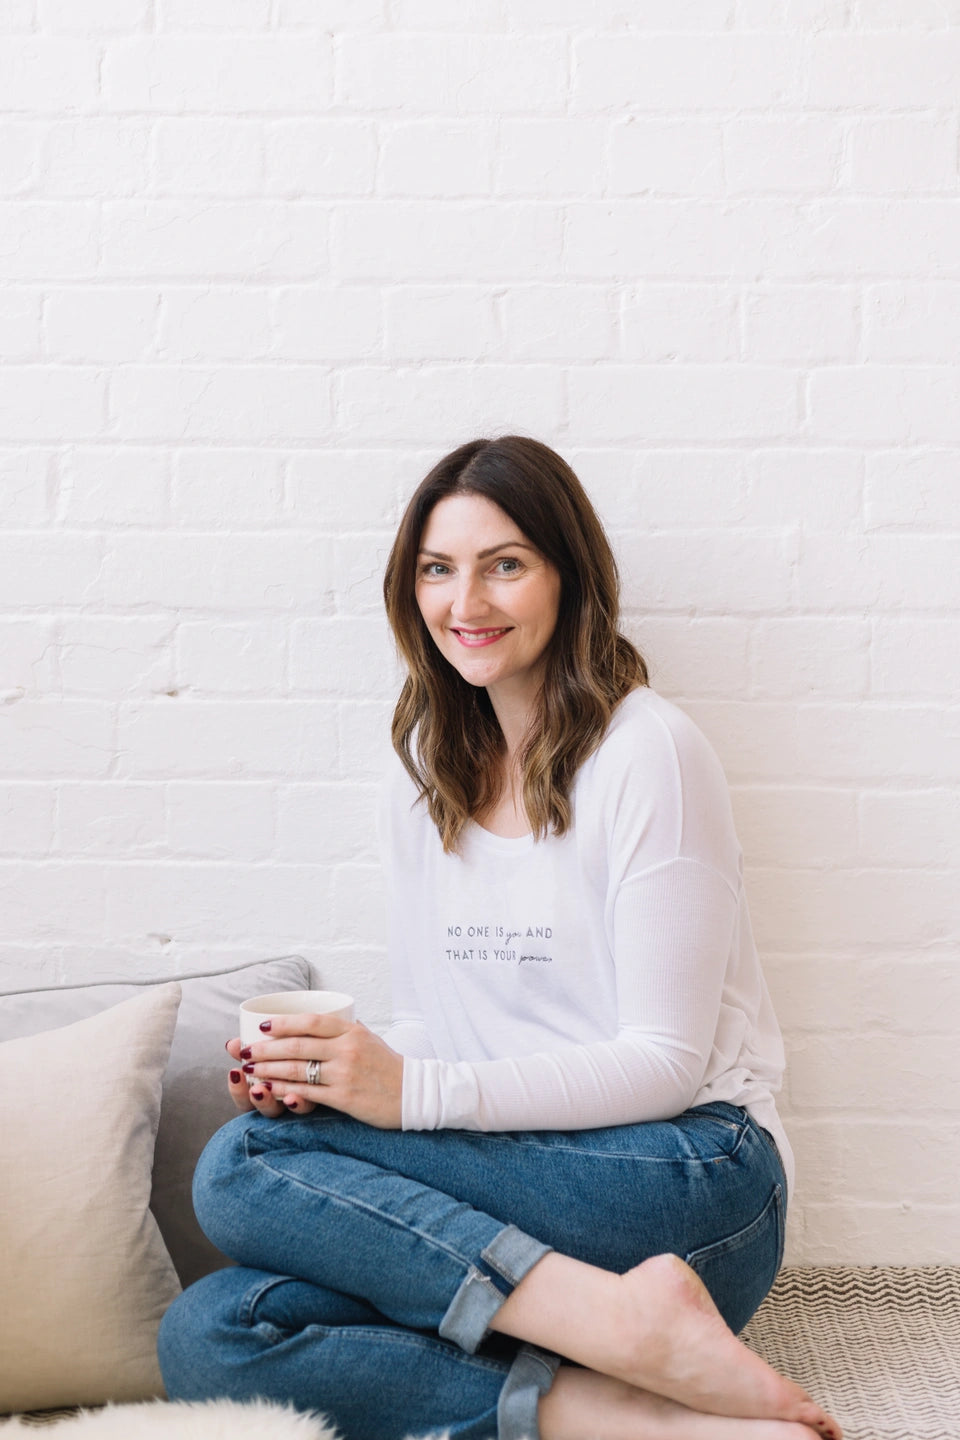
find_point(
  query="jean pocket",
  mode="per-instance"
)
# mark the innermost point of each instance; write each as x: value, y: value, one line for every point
x: 740, y: 1269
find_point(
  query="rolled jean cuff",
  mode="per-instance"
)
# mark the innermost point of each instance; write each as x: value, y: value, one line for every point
x: 531, y: 1376
x: 509, y: 1256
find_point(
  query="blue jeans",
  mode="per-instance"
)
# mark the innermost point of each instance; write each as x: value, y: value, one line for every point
x: 371, y: 1262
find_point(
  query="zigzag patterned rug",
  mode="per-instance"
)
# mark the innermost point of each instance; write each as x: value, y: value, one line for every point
x: 879, y: 1346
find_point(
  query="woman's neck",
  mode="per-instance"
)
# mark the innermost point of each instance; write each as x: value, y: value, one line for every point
x: 507, y: 816
x: 515, y: 707
x: 515, y: 710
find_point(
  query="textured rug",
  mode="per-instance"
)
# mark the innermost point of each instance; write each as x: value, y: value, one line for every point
x: 879, y: 1346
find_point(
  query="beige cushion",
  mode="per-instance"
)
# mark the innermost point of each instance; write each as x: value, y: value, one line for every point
x: 196, y: 1101
x: 84, y: 1274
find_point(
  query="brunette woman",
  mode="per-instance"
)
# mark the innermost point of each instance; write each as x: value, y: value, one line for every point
x: 566, y: 1147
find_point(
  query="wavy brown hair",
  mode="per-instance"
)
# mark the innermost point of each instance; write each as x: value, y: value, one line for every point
x: 444, y: 729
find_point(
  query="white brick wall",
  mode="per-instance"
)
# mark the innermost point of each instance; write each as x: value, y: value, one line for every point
x: 261, y: 261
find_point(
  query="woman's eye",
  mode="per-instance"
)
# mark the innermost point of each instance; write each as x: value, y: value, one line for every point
x: 433, y: 569
x: 509, y: 566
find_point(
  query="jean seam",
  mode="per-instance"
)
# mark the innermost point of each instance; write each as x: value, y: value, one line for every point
x: 465, y: 1321
x: 352, y: 1203
x: 744, y: 1132
x: 502, y: 1271
x: 411, y: 1341
x: 622, y: 1155
x: 398, y: 1336
x: 781, y: 1225
x: 477, y: 1277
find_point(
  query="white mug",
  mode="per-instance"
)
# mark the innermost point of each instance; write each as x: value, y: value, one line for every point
x: 289, y: 1002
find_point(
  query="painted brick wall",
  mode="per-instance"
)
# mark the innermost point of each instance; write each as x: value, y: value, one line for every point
x: 262, y: 261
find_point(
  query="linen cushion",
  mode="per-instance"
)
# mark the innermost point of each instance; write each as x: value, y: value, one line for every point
x: 85, y: 1274
x: 195, y: 1097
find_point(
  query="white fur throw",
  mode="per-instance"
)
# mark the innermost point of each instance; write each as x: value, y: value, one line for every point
x: 181, y: 1420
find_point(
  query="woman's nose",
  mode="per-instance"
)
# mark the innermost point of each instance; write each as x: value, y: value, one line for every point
x: 468, y: 602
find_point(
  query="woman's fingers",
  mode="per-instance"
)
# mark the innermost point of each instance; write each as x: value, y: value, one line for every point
x: 263, y: 1099
x: 293, y: 1051
x: 289, y: 1082
x: 239, y: 1090
x: 285, y: 1059
x: 263, y: 1094
x: 320, y: 1027
x: 258, y: 1096
x: 283, y: 1071
x: 293, y: 1047
x: 296, y: 1103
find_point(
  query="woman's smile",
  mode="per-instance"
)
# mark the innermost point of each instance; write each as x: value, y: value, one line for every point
x: 479, y: 637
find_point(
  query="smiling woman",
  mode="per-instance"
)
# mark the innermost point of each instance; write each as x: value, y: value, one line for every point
x: 501, y: 535
x: 490, y: 602
x: 566, y: 1145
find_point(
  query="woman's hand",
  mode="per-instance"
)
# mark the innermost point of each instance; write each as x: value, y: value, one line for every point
x: 359, y: 1073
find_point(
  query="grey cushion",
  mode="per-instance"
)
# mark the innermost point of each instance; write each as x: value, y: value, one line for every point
x: 195, y: 1100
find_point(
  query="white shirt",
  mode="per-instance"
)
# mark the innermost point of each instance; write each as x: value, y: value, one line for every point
x: 602, y: 978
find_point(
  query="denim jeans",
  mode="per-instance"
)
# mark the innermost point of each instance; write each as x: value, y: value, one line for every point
x: 371, y: 1262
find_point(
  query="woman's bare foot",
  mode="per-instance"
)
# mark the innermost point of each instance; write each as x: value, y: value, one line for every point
x: 581, y: 1403
x: 657, y: 1329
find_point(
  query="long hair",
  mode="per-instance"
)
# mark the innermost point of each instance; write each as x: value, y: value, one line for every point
x: 444, y: 729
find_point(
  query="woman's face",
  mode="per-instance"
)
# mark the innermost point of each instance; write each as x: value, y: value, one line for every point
x: 489, y: 598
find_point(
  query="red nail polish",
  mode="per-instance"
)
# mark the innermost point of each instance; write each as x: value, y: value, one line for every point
x: 291, y: 1105
x: 226, y: 1046
x: 256, y: 1094
x: 247, y: 1069
x: 266, y: 1024
x: 235, y: 1077
x: 246, y: 1053
x: 267, y: 1084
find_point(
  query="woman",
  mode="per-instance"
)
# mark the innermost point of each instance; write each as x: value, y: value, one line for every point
x: 567, y: 1141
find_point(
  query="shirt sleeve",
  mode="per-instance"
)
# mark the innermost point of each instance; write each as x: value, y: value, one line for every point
x: 672, y: 930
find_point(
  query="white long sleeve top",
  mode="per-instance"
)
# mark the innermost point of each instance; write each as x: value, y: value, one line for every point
x: 605, y: 977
